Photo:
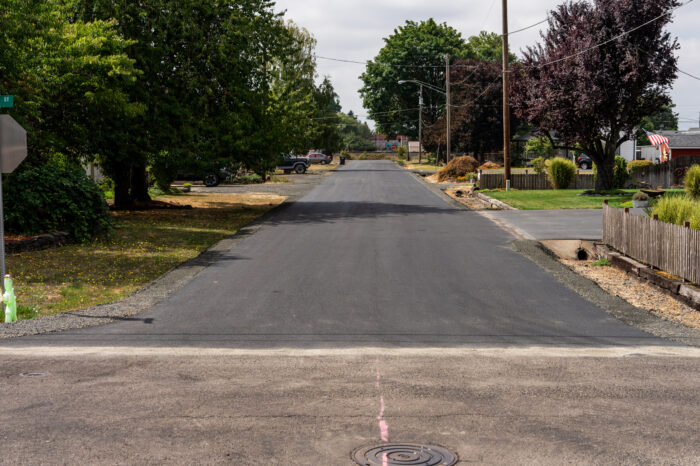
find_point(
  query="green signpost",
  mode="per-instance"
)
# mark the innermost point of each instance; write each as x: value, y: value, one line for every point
x: 7, y: 101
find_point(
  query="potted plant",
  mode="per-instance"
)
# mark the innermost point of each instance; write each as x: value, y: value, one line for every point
x: 640, y: 199
x: 186, y: 187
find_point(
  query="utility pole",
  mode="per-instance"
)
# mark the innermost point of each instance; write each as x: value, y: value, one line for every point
x: 449, y: 103
x: 420, y: 125
x: 506, y: 106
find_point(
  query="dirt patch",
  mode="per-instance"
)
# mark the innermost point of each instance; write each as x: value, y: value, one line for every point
x: 226, y: 200
x: 637, y: 293
x: 464, y: 196
x: 490, y: 166
x: 458, y: 167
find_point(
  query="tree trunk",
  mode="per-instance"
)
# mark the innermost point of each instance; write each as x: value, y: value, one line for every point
x: 122, y: 198
x: 605, y: 179
x: 139, y: 184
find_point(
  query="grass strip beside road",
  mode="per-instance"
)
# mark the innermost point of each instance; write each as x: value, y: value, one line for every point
x: 546, y: 199
x: 142, y: 246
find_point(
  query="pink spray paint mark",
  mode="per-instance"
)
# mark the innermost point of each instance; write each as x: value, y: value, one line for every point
x: 383, y: 426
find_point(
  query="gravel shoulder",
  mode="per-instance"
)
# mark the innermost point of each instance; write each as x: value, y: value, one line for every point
x: 158, y: 290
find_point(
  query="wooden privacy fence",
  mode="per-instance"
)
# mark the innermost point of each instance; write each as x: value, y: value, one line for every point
x: 532, y: 181
x: 672, y: 248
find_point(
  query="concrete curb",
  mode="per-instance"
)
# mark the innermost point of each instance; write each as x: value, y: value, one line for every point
x: 613, y: 305
x: 495, y: 203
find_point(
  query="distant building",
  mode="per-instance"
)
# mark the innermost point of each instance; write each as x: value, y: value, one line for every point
x: 683, y: 143
x: 382, y: 142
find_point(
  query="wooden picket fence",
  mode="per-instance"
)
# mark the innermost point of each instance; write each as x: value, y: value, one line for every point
x: 532, y: 181
x: 672, y: 248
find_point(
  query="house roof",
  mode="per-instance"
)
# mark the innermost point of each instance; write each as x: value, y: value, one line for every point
x: 683, y: 139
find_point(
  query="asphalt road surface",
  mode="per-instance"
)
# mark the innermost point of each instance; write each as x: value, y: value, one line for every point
x: 369, y: 310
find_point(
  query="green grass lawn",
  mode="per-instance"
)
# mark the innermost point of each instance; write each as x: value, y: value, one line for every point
x: 142, y: 246
x: 556, y: 199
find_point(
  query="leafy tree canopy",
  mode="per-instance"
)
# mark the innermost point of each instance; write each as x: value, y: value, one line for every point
x: 588, y: 86
x: 415, y: 51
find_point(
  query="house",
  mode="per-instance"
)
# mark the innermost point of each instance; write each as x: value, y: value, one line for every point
x: 382, y: 142
x: 683, y: 143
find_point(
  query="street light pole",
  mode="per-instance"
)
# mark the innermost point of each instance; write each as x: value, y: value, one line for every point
x: 506, y: 106
x: 420, y: 125
x: 447, y: 93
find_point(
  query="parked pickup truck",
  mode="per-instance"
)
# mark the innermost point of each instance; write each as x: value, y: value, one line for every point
x: 298, y: 164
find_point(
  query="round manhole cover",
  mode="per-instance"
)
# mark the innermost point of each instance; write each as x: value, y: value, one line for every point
x: 388, y: 454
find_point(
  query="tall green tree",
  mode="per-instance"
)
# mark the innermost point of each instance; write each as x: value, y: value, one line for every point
x: 355, y: 134
x: 415, y: 51
x: 67, y: 77
x: 327, y: 118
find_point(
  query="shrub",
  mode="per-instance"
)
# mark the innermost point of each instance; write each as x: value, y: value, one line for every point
x: 692, y: 182
x: 457, y: 167
x: 638, y: 165
x: 401, y: 162
x: 561, y: 173
x: 678, y: 210
x: 640, y: 196
x: 251, y: 178
x: 54, y: 197
x: 538, y: 164
x: 402, y: 153
x: 430, y: 156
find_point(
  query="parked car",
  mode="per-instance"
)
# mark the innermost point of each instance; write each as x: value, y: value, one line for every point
x: 584, y: 162
x: 319, y: 157
x: 297, y: 164
x: 208, y: 174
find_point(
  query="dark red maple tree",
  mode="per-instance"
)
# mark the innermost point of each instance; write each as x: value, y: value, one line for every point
x: 572, y: 88
x: 477, y: 110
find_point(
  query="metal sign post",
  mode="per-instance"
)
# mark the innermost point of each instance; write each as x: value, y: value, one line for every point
x: 13, y: 150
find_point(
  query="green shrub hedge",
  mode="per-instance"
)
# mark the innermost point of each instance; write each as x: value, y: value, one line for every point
x: 561, y: 172
x: 638, y: 165
x: 678, y: 210
x: 692, y: 182
x: 54, y: 196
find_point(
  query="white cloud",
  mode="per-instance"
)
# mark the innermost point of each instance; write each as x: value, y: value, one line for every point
x: 355, y: 30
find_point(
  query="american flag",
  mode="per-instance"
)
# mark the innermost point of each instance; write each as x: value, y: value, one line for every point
x: 656, y: 139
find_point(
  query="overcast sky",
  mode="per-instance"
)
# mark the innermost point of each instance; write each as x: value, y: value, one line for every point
x: 354, y: 29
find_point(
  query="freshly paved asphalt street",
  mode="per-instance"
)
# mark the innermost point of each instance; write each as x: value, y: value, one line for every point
x: 369, y: 310
x: 369, y: 256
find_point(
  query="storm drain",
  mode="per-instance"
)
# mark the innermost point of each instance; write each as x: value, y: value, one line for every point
x: 387, y: 454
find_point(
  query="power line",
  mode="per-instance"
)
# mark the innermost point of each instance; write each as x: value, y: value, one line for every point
x: 622, y: 34
x: 527, y: 27
x: 688, y: 74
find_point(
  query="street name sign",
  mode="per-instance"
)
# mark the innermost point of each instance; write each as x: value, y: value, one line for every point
x: 7, y: 101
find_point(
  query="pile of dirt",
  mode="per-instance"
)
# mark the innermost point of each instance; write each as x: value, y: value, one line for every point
x: 457, y: 167
x: 490, y: 166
